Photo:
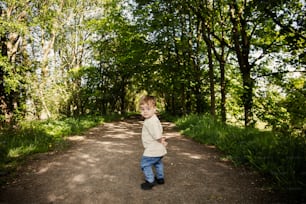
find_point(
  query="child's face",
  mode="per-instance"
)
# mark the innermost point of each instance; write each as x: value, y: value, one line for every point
x: 147, y: 111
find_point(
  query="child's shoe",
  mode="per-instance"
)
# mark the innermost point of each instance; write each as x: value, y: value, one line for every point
x: 160, y: 181
x: 147, y: 185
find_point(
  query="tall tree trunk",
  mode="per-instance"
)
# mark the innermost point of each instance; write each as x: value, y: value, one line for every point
x: 122, y: 95
x: 222, y: 62
x: 47, y: 48
x: 221, y: 59
x: 211, y: 81
x: 2, y: 88
x: 205, y: 24
x: 198, y: 74
x: 207, y: 39
x: 223, y: 88
x: 242, y: 49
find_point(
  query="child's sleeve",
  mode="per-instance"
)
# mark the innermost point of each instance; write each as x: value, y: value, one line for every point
x: 155, y: 130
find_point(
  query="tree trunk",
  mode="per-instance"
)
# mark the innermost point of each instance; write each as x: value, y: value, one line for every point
x: 2, y: 90
x: 248, y: 85
x: 223, y: 90
x: 211, y: 82
x: 242, y: 49
x: 206, y: 36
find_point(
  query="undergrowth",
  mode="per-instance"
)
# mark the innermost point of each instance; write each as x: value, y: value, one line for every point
x: 30, y: 137
x: 276, y: 155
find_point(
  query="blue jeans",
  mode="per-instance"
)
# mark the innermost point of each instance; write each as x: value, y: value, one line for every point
x: 146, y: 166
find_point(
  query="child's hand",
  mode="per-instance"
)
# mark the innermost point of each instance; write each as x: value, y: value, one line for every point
x: 163, y: 141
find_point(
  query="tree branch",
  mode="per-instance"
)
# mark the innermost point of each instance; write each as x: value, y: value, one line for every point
x: 281, y: 72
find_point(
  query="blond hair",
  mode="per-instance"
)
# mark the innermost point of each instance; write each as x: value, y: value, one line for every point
x: 149, y: 100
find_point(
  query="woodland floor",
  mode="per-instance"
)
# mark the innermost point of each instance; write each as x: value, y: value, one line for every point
x: 102, y: 166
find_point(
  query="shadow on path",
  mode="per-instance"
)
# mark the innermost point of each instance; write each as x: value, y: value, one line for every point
x: 102, y: 166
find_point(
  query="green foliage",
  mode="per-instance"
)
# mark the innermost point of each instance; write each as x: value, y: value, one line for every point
x: 39, y: 136
x: 119, y: 49
x: 96, y: 57
x: 284, y: 110
x: 279, y: 156
x: 295, y: 104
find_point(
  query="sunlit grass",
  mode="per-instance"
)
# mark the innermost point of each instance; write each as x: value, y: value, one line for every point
x: 31, y: 137
x: 279, y: 156
x: 18, y: 151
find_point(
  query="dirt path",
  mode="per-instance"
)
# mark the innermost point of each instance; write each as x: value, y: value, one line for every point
x: 102, y: 166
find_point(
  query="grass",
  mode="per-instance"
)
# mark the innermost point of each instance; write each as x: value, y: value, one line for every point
x: 279, y: 156
x: 40, y: 136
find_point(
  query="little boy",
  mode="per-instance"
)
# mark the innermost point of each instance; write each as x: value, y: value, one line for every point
x: 153, y: 142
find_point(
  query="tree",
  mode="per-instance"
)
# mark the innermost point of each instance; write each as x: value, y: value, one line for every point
x: 242, y: 46
x: 118, y: 51
x: 14, y: 63
x: 254, y: 39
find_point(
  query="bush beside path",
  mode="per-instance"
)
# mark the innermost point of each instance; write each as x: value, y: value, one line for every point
x: 102, y: 166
